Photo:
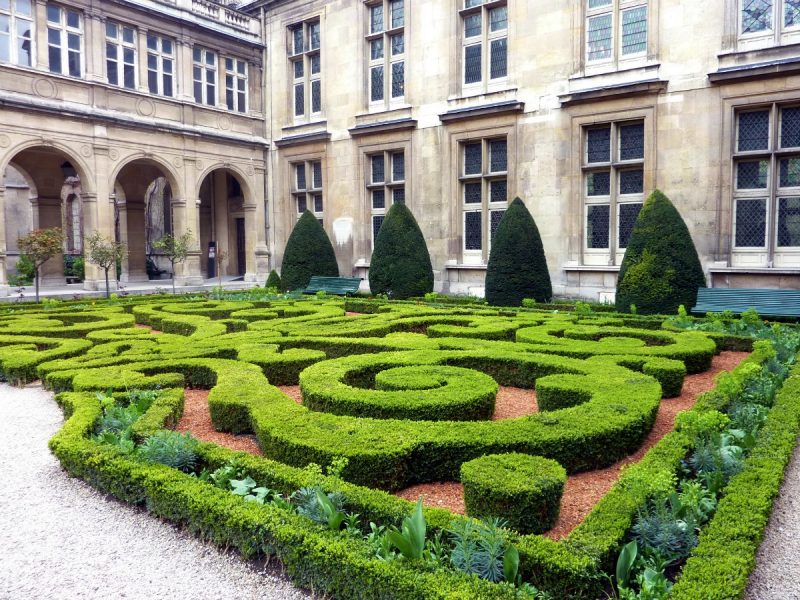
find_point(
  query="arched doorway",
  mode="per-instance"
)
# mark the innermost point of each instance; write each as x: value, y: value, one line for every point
x: 222, y: 224
x: 143, y: 214
x: 43, y: 189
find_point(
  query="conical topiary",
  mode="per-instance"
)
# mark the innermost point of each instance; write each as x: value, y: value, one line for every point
x: 661, y: 269
x: 400, y: 264
x: 308, y: 252
x: 274, y: 280
x: 517, y: 266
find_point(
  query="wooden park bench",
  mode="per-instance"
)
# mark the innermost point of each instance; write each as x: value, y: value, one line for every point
x: 338, y: 286
x: 768, y: 303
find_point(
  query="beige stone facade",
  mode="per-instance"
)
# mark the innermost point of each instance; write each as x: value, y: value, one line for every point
x: 579, y: 107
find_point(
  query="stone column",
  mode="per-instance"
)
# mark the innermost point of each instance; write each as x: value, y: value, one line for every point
x: 186, y: 217
x: 258, y: 253
x: 94, y: 46
x: 121, y: 206
x: 3, y: 264
x: 41, y: 60
x: 183, y: 58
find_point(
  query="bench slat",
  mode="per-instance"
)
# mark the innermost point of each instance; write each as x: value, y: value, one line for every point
x: 338, y: 286
x: 773, y: 303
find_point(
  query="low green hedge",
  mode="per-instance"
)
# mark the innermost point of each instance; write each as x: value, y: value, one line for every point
x: 523, y: 490
x: 719, y: 567
x: 20, y: 355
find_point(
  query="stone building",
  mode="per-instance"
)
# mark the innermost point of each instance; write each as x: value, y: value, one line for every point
x: 579, y: 107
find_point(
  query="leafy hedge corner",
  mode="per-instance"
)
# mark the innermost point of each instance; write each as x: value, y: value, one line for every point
x: 661, y: 269
x: 720, y: 566
x: 274, y: 280
x: 517, y: 266
x: 523, y: 490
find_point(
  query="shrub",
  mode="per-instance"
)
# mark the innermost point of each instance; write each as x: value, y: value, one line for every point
x: 517, y: 266
x: 661, y: 269
x: 400, y: 265
x: 308, y: 252
x: 524, y: 490
x: 171, y: 449
x: 26, y: 271
x: 274, y: 280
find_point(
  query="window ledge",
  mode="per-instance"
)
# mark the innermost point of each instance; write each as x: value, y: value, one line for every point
x: 481, y: 110
x: 465, y: 267
x: 774, y: 68
x: 617, y: 90
x: 383, y: 127
x: 303, y: 138
x: 756, y: 270
x: 592, y: 268
x: 629, y: 71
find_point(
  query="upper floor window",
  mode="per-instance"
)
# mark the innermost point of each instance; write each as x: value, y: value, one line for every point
x: 236, y: 84
x: 121, y: 55
x: 386, y: 185
x: 16, y: 32
x: 307, y: 188
x: 484, y: 38
x: 204, y: 74
x: 484, y: 193
x: 160, y: 65
x: 767, y: 182
x: 386, y: 45
x: 305, y: 62
x: 615, y: 30
x: 766, y: 22
x: 613, y: 183
x: 64, y: 40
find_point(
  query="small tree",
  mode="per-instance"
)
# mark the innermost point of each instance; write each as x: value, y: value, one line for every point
x: 105, y: 253
x: 274, y: 280
x: 308, y: 252
x: 661, y: 269
x: 400, y: 264
x: 175, y: 250
x: 39, y: 246
x: 517, y: 266
x: 219, y: 259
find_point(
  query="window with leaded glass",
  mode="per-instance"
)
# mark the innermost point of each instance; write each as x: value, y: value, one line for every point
x: 16, y: 32
x: 613, y: 182
x: 236, y: 84
x: 386, y: 185
x: 305, y: 65
x: 484, y: 35
x: 766, y: 179
x: 484, y: 192
x: 615, y: 30
x: 160, y: 65
x: 64, y: 40
x: 767, y: 22
x: 121, y: 55
x: 386, y: 51
x: 204, y: 75
x: 307, y: 188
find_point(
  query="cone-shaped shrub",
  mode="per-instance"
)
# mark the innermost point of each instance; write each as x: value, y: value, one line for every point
x: 661, y: 269
x: 274, y: 280
x: 400, y: 265
x: 308, y: 252
x: 517, y: 266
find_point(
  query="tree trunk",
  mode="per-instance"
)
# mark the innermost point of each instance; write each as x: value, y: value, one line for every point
x: 36, y: 282
x: 108, y: 292
x: 173, y: 277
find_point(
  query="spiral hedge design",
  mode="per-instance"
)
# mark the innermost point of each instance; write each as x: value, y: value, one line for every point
x: 405, y: 392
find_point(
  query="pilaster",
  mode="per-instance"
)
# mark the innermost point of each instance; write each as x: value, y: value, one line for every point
x: 3, y: 266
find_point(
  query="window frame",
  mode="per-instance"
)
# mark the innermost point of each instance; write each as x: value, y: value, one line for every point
x: 119, y: 44
x: 15, y: 18
x: 308, y: 193
x: 615, y: 166
x: 64, y: 31
x: 485, y: 40
x: 308, y: 57
x: 205, y: 68
x: 771, y: 194
x: 388, y: 60
x: 777, y: 35
x: 616, y: 10
x: 236, y: 99
x: 389, y: 185
x: 161, y: 58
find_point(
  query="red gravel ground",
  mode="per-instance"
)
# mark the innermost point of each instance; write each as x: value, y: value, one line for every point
x: 197, y: 420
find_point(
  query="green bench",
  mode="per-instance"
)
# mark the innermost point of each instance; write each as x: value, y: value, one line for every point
x: 338, y: 286
x: 768, y: 303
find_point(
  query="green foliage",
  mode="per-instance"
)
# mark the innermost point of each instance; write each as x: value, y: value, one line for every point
x: 481, y: 548
x: 523, y: 490
x: 410, y: 538
x: 39, y: 246
x: 26, y: 271
x: 105, y: 253
x: 175, y: 249
x: 308, y: 252
x: 661, y: 269
x: 400, y: 265
x: 517, y: 266
x: 172, y: 449
x: 273, y: 281
x: 74, y: 267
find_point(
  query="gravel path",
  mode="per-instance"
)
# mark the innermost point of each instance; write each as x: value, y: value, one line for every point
x: 777, y: 572
x: 60, y: 538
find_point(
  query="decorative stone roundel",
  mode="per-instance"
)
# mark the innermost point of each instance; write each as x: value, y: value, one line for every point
x: 44, y: 88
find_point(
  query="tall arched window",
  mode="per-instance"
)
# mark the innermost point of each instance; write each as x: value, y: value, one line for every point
x: 71, y: 215
x: 158, y: 211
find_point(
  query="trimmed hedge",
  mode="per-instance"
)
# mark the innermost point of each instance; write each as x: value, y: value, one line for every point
x: 308, y: 252
x: 524, y: 490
